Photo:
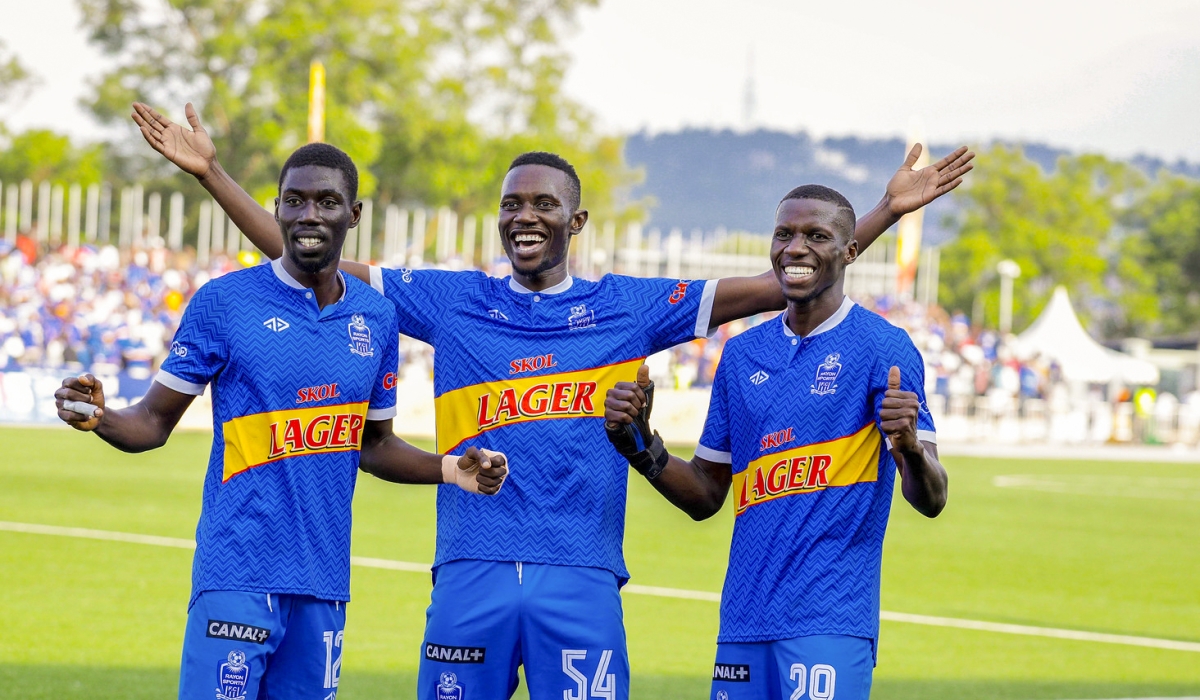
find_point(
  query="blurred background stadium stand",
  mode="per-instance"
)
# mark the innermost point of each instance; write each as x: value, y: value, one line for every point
x: 72, y: 300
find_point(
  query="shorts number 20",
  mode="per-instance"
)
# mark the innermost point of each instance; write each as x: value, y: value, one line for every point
x: 819, y: 683
x: 604, y: 684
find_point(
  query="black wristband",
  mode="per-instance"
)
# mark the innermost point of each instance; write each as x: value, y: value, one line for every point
x: 651, y: 461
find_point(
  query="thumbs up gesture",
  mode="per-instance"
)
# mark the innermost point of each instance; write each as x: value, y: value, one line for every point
x: 898, y: 415
x: 627, y: 424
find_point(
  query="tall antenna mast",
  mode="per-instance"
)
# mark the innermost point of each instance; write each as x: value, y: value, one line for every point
x: 749, y: 102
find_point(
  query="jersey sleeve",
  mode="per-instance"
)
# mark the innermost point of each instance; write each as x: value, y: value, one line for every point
x: 383, y: 391
x: 903, y: 354
x: 199, y: 350
x: 714, y: 441
x: 670, y: 311
x: 420, y: 297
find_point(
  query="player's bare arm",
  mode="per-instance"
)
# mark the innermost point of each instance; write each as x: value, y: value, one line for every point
x: 387, y: 457
x: 907, y: 191
x: 193, y: 151
x: 145, y: 425
x: 923, y: 480
x: 697, y: 487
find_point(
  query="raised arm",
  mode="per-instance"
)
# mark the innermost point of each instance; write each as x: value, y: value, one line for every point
x: 145, y: 425
x: 193, y: 152
x: 697, y: 487
x: 907, y: 191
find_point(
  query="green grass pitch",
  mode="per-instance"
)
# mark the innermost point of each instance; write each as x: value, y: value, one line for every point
x: 1116, y: 550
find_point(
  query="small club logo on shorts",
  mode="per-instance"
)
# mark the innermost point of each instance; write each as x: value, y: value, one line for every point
x: 731, y: 673
x: 722, y: 695
x: 449, y: 688
x: 220, y: 629
x: 232, y: 676
x: 455, y: 655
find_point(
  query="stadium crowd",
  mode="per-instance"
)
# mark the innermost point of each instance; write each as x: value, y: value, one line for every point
x: 90, y: 309
x: 94, y: 309
x: 960, y: 360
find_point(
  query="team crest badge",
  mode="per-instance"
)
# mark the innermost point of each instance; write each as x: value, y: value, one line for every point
x: 360, y: 336
x: 827, y: 374
x: 232, y: 677
x: 448, y: 687
x: 581, y: 317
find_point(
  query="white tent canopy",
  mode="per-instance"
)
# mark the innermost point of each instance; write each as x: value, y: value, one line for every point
x: 1058, y: 335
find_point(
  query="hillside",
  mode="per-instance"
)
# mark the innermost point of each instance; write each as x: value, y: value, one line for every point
x: 704, y: 179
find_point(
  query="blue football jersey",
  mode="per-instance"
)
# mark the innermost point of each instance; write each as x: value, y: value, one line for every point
x: 292, y: 388
x: 797, y: 419
x: 525, y: 373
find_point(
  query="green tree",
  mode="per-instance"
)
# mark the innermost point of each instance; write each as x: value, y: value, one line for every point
x: 1158, y: 267
x: 1059, y: 227
x: 40, y: 154
x: 15, y: 79
x: 431, y: 98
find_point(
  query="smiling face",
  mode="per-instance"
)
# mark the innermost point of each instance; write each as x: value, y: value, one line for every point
x: 811, y: 247
x: 536, y: 220
x: 314, y: 211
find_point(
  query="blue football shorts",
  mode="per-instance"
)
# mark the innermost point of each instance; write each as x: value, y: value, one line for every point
x: 255, y: 646
x: 563, y: 623
x: 817, y: 667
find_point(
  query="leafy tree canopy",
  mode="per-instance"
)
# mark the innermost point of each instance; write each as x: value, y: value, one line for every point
x: 431, y: 98
x: 1059, y: 227
x: 1125, y: 245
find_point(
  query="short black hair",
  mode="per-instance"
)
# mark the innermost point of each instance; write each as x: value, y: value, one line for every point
x: 821, y: 193
x: 553, y: 160
x: 326, y: 156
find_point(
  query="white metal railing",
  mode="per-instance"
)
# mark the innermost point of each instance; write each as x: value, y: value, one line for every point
x: 74, y: 214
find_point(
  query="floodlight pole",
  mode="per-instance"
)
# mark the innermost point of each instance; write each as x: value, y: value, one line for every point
x: 316, y: 102
x: 1009, y: 270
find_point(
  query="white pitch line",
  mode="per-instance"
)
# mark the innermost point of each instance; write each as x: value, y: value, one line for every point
x: 178, y: 543
x: 34, y: 529
x: 681, y: 593
x: 671, y: 593
x: 1076, y: 635
x: 392, y: 564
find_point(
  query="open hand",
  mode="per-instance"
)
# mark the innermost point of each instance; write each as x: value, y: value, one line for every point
x: 898, y: 415
x: 79, y: 394
x: 191, y: 150
x: 909, y: 189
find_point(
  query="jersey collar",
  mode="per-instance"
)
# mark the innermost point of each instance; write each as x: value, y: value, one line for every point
x: 556, y: 289
x: 284, y: 276
x: 826, y: 325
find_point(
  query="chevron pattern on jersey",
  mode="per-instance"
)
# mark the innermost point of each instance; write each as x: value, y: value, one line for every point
x: 564, y: 501
x: 808, y: 563
x: 283, y: 527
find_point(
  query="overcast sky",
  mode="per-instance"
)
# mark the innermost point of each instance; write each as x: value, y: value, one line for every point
x: 1106, y: 75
